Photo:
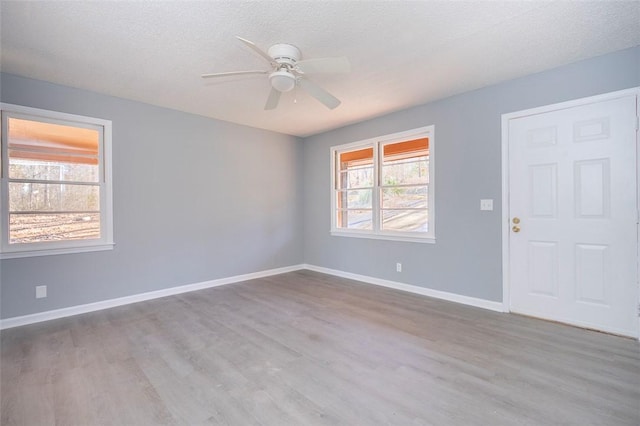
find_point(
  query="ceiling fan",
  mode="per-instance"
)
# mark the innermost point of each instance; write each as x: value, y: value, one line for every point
x: 288, y: 71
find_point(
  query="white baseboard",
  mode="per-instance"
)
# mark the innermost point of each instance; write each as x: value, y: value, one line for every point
x: 111, y: 303
x: 437, y: 294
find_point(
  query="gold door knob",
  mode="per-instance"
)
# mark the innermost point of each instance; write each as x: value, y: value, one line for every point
x: 516, y: 220
x: 515, y: 228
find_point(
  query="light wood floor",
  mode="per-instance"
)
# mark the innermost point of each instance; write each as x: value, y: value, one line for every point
x: 309, y: 349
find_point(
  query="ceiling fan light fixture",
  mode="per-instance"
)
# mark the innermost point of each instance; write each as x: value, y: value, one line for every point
x: 289, y: 70
x: 282, y: 81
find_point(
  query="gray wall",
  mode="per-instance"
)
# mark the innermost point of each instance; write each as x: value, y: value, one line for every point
x: 195, y: 199
x: 466, y: 258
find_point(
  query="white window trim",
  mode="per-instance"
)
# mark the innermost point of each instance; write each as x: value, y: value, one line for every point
x: 10, y: 251
x: 378, y: 234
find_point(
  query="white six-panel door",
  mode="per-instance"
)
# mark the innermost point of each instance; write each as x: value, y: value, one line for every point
x: 572, y: 207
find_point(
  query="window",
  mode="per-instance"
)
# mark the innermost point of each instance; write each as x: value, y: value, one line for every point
x: 383, y: 187
x: 56, y: 183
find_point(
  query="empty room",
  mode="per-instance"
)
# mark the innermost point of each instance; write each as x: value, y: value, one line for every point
x: 289, y: 212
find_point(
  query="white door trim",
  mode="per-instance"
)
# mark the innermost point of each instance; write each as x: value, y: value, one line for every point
x: 505, y: 179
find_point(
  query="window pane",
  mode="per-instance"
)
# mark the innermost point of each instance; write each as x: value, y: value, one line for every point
x: 405, y: 163
x: 404, y: 197
x: 405, y: 220
x: 354, y: 168
x: 354, y: 199
x: 354, y: 219
x: 50, y: 170
x: 405, y: 149
x: 47, y: 138
x: 356, y: 157
x: 53, y: 197
x: 358, y: 199
x: 357, y: 177
x: 35, y: 228
x: 408, y: 171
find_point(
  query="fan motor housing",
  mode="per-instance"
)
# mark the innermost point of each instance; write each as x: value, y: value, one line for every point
x: 285, y: 53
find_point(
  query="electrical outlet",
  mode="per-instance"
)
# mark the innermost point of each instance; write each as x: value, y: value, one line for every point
x: 41, y: 291
x: 398, y: 267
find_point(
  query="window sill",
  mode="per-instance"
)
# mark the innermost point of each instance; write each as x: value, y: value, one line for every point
x: 54, y: 251
x: 388, y: 237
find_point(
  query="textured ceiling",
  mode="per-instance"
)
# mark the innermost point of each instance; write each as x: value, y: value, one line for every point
x: 402, y: 53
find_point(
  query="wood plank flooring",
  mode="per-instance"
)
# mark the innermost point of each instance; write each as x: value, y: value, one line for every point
x: 305, y: 348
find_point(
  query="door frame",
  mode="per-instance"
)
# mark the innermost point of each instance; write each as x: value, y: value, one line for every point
x: 506, y: 285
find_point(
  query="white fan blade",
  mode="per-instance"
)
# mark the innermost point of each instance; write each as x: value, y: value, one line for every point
x: 319, y: 93
x: 226, y: 74
x: 273, y: 99
x: 256, y: 49
x: 327, y: 65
